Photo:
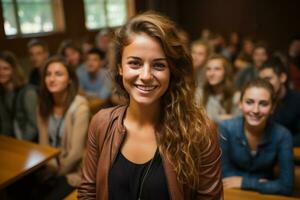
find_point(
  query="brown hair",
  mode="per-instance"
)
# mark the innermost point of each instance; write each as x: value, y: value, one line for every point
x: 184, y: 125
x: 18, y: 77
x: 227, y: 85
x: 260, y: 83
x: 37, y: 42
x: 47, y: 102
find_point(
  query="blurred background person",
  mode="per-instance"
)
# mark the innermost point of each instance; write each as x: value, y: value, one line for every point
x: 200, y: 51
x: 253, y: 145
x: 38, y: 54
x: 218, y: 95
x: 63, y: 119
x: 287, y: 111
x: 18, y: 101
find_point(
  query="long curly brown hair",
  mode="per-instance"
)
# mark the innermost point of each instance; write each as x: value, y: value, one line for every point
x: 184, y: 126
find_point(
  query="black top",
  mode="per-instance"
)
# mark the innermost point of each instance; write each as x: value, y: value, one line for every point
x: 126, y: 178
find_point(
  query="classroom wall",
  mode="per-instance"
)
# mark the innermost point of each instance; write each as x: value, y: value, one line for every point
x: 275, y: 21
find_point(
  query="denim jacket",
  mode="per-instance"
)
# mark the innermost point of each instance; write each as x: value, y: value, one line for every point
x: 276, y: 149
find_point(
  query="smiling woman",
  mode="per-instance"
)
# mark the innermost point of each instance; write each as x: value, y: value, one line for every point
x: 253, y: 145
x: 161, y: 145
x: 145, y: 71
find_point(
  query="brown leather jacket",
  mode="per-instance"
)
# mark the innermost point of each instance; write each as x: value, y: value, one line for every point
x: 106, y: 134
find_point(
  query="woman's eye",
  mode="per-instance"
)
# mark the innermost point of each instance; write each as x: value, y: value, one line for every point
x: 249, y: 102
x: 159, y: 66
x: 264, y: 103
x: 134, y: 63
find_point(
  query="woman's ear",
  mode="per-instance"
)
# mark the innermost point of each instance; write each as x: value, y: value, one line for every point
x: 240, y: 105
x: 283, y: 78
x: 120, y: 70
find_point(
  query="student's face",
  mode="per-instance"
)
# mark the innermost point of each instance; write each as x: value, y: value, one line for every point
x: 273, y: 78
x: 199, y: 55
x: 215, y: 71
x: 38, y: 55
x: 256, y: 106
x: 248, y: 47
x: 57, y: 78
x: 6, y: 72
x: 259, y: 56
x: 94, y: 63
x: 72, y: 56
x: 144, y: 70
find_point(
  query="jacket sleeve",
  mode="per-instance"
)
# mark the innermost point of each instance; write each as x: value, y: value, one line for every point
x: 87, y: 187
x: 211, y: 186
x: 30, y: 104
x: 80, y: 121
x: 228, y: 169
x: 283, y: 184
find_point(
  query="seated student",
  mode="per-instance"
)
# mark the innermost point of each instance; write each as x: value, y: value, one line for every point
x: 287, y: 112
x: 95, y: 80
x: 294, y: 62
x: 253, y: 145
x: 200, y: 51
x: 244, y: 57
x: 218, y: 95
x: 63, y: 119
x: 17, y: 101
x: 72, y: 53
x: 260, y: 56
x: 38, y: 54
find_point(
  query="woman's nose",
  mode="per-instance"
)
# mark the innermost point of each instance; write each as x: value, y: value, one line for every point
x: 146, y: 73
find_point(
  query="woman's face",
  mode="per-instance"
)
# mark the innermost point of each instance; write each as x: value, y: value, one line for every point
x: 57, y: 78
x: 256, y: 106
x: 72, y: 56
x: 215, y: 72
x: 199, y: 55
x: 6, y: 72
x: 144, y: 70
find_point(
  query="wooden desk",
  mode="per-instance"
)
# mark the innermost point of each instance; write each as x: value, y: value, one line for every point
x: 236, y: 194
x: 18, y: 158
x: 72, y: 196
x: 297, y: 153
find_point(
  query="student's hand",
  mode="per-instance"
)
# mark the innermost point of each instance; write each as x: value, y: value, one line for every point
x: 232, y: 182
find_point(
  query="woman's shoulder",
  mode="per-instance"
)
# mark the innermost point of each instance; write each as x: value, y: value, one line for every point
x: 107, y: 116
x: 279, y: 131
x: 236, y: 97
x: 27, y: 91
x: 111, y: 112
x: 232, y: 123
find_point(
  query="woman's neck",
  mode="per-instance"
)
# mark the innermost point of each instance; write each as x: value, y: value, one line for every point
x: 59, y: 99
x: 143, y: 115
x: 256, y: 131
x: 217, y: 89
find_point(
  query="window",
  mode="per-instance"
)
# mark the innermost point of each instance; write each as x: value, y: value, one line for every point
x: 23, y: 17
x: 105, y: 13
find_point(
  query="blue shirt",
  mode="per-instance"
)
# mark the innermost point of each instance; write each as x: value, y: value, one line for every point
x: 276, y: 149
x: 101, y: 87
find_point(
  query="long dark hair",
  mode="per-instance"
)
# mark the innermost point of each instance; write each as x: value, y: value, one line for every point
x: 46, y: 99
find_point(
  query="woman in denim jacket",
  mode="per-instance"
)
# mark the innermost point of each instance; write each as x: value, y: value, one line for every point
x: 253, y: 146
